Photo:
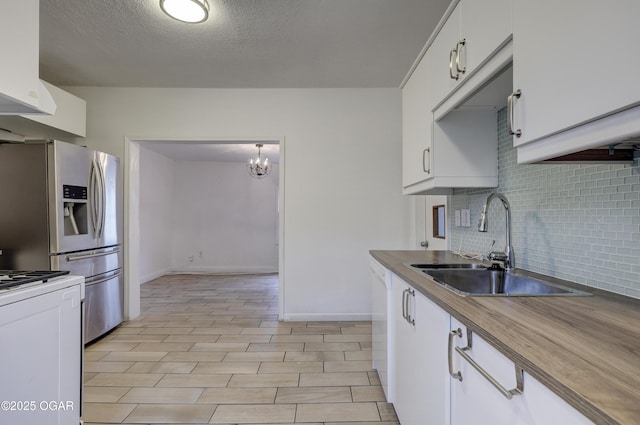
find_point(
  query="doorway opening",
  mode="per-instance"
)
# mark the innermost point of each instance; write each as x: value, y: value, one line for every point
x: 192, y: 207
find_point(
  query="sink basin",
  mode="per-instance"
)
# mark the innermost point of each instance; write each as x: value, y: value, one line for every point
x: 449, y: 266
x: 487, y: 282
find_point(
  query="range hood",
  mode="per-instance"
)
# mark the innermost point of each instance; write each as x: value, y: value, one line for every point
x: 46, y: 104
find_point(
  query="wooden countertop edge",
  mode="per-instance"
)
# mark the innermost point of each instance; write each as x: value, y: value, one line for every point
x: 464, y: 307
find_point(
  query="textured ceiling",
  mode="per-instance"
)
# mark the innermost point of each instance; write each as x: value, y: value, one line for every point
x: 244, y: 44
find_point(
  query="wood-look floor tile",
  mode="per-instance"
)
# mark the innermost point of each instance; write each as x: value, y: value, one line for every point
x: 220, y: 346
x: 228, y: 367
x: 255, y: 414
x: 333, y: 379
x: 171, y: 414
x: 335, y: 412
x: 124, y: 380
x: 199, y: 380
x: 163, y: 346
x: 280, y: 367
x: 103, y: 394
x: 314, y: 356
x: 291, y: 367
x: 314, y: 395
x: 195, y: 356
x: 111, y: 346
x: 348, y: 366
x: 367, y: 393
x: 191, y: 338
x: 265, y: 380
x: 106, y: 366
x: 331, y: 346
x: 238, y: 395
x: 255, y: 356
x: 358, y: 355
x: 134, y: 356
x: 277, y: 346
x: 162, y: 395
x: 106, y: 412
x: 162, y: 367
x: 386, y: 411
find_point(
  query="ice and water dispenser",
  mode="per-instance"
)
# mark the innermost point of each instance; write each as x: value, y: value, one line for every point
x: 75, y: 210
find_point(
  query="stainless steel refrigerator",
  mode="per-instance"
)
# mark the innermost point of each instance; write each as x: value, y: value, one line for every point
x: 61, y: 211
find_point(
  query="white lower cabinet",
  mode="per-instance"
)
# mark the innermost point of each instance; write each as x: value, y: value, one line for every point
x: 436, y: 385
x: 475, y: 400
x: 421, y: 392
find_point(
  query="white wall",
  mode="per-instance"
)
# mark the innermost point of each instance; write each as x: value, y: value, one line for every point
x: 342, y: 178
x: 224, y: 220
x: 156, y: 211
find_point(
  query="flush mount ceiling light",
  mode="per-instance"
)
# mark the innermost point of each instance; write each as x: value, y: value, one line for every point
x: 190, y: 11
x: 259, y: 166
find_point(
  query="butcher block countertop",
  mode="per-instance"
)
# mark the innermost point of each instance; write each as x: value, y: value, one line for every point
x: 586, y: 349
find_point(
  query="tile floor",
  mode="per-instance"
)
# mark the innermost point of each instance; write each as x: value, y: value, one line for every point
x: 209, y: 349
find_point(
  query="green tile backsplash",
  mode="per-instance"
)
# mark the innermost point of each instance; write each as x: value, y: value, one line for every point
x: 575, y: 222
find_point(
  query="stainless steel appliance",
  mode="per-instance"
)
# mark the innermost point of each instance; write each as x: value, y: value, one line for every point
x: 61, y: 211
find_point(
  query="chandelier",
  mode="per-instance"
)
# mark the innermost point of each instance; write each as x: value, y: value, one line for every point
x: 259, y: 166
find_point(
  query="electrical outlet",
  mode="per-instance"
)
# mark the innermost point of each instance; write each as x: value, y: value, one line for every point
x: 191, y: 258
x: 457, y: 218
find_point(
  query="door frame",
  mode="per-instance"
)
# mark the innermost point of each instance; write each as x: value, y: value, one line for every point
x: 131, y: 195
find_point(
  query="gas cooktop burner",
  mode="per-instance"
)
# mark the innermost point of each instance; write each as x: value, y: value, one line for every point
x: 12, y: 278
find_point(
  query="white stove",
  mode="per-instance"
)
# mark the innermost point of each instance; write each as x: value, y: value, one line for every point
x: 11, y: 279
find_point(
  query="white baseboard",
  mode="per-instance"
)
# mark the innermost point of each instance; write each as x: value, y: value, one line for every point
x: 225, y: 270
x: 327, y: 317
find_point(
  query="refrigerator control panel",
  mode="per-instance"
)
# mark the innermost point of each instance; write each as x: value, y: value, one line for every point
x: 74, y: 192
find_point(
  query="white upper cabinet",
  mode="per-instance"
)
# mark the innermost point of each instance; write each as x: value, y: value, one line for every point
x: 21, y: 91
x: 472, y: 34
x: 576, y: 66
x: 416, y: 127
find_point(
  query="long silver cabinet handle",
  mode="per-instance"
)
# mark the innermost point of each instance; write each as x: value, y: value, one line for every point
x: 517, y: 95
x: 459, y: 46
x: 424, y: 154
x: 410, y: 319
x: 404, y: 304
x: 455, y: 375
x: 97, y: 254
x: 452, y: 55
x: 518, y: 390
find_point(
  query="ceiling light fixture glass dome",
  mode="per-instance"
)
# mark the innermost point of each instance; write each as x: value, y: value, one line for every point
x: 190, y: 11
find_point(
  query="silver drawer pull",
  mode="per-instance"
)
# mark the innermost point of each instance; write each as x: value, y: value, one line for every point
x: 94, y: 255
x: 452, y: 56
x: 519, y: 389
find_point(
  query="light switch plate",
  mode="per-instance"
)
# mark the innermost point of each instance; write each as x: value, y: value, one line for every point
x: 466, y: 218
x: 457, y: 218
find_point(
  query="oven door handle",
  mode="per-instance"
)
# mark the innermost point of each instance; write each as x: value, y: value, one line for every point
x: 94, y: 255
x: 104, y: 279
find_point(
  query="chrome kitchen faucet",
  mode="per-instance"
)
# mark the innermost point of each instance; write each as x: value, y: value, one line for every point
x: 506, y: 257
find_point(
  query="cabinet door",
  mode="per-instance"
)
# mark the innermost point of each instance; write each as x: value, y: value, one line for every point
x: 475, y: 401
x: 416, y: 127
x: 421, y: 395
x: 19, y: 44
x: 41, y: 350
x: 486, y: 25
x: 573, y: 61
x: 439, y: 60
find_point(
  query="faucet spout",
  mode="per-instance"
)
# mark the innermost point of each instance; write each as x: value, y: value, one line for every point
x: 507, y: 257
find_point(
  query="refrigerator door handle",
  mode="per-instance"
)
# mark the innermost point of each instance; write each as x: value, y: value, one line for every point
x: 93, y: 197
x: 93, y: 255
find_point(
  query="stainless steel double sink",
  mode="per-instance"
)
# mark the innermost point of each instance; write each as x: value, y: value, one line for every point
x: 476, y: 280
